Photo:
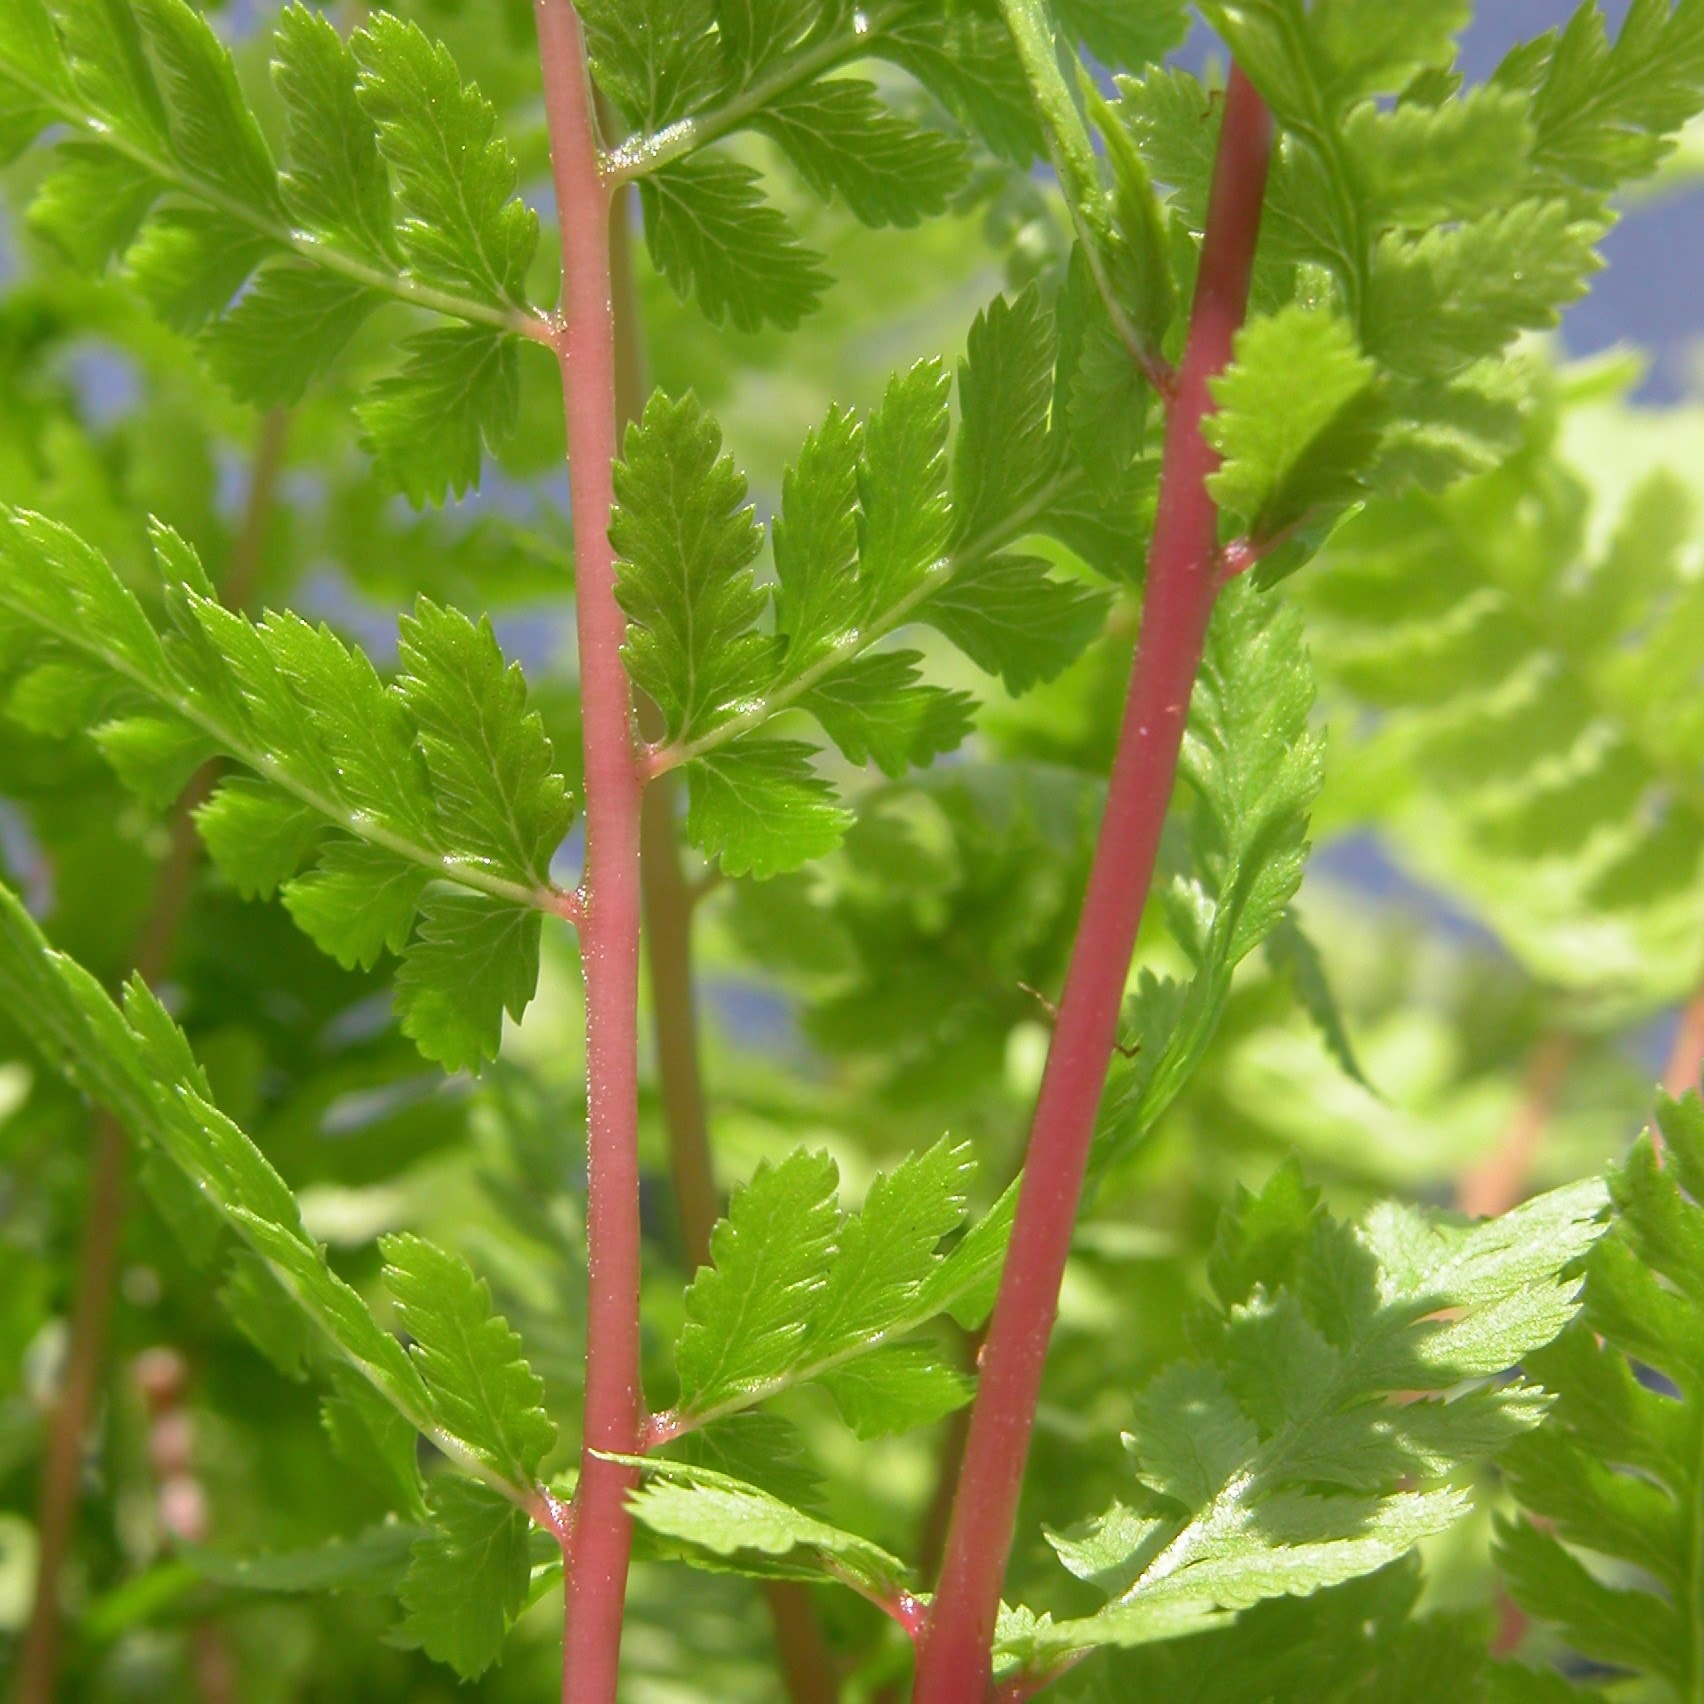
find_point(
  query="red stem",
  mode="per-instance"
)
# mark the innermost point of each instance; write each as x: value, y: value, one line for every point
x: 1686, y: 1058
x: 609, y: 933
x: 1500, y: 1182
x: 953, y: 1665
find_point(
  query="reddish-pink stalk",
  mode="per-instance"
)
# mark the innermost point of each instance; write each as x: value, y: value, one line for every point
x: 1686, y: 1057
x: 1500, y: 1183
x: 596, y: 1571
x: 1183, y: 581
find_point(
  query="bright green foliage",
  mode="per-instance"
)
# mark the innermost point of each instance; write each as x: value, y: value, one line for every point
x: 1509, y: 671
x: 1276, y: 1464
x: 375, y: 1558
x: 1358, y: 1641
x: 1404, y: 245
x: 466, y: 1388
x: 1617, y: 1470
x: 468, y: 1579
x: 396, y: 189
x: 878, y: 528
x: 1539, y: 745
x: 723, y: 1524
x: 1286, y: 449
x: 684, y: 74
x: 1254, y: 769
x: 443, y: 777
x: 796, y: 1289
x: 1606, y: 111
x: 483, y: 1390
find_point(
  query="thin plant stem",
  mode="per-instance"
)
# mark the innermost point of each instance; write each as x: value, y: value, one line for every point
x: 670, y: 900
x: 1182, y: 585
x: 599, y: 1548
x: 105, y: 1212
x: 1501, y: 1181
x: 1686, y: 1057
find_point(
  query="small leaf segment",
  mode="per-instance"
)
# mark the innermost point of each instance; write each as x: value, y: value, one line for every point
x: 1619, y: 1467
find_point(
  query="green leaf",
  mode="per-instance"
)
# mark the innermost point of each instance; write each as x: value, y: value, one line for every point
x: 875, y: 710
x: 212, y: 129
x: 1617, y: 1470
x: 189, y: 262
x: 1288, y: 452
x: 714, y: 237
x: 1605, y: 113
x: 461, y: 227
x: 1105, y: 397
x: 1291, y: 952
x: 966, y: 60
x: 137, y: 1063
x: 757, y: 807
x: 724, y: 1524
x: 358, y: 903
x: 1234, y: 1452
x: 1126, y: 35
x: 818, y: 595
x: 1014, y: 619
x: 92, y: 202
x: 472, y: 959
x: 266, y: 1315
x: 375, y: 1440
x: 456, y: 395
x: 481, y: 1387
x: 154, y: 756
x: 888, y: 1252
x: 655, y: 59
x: 895, y: 1389
x: 1254, y: 770
x: 287, y: 328
x: 447, y: 772
x: 904, y: 517
x: 337, y: 182
x: 845, y: 143
x: 1440, y: 301
x: 1004, y: 456
x: 467, y: 1580
x: 746, y: 1311
x: 686, y: 543
x: 491, y: 765
x: 373, y: 1560
x: 257, y: 837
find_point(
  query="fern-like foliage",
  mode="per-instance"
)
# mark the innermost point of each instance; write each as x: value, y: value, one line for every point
x: 1253, y: 768
x: 685, y: 74
x: 1315, y: 1437
x: 1538, y: 747
x: 1347, y: 1376
x: 429, y: 808
x: 396, y: 189
x: 1347, y: 1644
x: 1618, y: 1471
x: 879, y: 527
x: 1412, y: 230
x: 799, y: 1292
x: 463, y: 1384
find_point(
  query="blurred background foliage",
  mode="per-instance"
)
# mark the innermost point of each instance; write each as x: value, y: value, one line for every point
x: 1509, y: 940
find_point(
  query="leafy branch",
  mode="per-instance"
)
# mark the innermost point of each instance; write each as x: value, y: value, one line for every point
x: 463, y: 1385
x: 443, y: 777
